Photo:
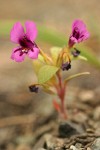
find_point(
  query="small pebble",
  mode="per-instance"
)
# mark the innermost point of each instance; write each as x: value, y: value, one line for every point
x: 96, y: 144
x: 88, y: 148
x: 80, y: 117
x: 72, y: 147
x: 78, y: 145
x: 86, y: 96
x: 89, y: 130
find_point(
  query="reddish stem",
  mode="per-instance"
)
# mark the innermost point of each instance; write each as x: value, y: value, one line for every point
x: 61, y: 93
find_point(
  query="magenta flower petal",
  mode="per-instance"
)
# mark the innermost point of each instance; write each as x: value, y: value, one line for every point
x: 17, y: 32
x: 27, y: 45
x: 16, y: 55
x: 79, y: 33
x: 33, y: 54
x: 73, y: 40
x: 79, y: 24
x: 31, y: 30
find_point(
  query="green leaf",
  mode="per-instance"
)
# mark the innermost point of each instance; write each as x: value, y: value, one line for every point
x: 76, y: 75
x: 46, y: 73
x: 38, y: 63
x: 36, y: 66
x: 41, y: 58
x: 55, y: 52
x: 80, y: 57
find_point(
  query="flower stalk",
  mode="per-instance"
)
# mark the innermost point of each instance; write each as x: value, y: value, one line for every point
x: 61, y: 90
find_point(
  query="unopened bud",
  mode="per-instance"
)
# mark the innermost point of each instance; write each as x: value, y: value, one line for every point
x: 66, y: 66
x: 76, y: 52
x: 33, y: 88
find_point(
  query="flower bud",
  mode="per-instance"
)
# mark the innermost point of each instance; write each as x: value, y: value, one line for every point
x: 66, y: 66
x: 76, y: 52
x: 33, y: 88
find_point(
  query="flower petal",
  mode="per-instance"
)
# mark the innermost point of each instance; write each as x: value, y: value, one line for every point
x: 73, y: 40
x: 33, y: 54
x: 79, y: 24
x: 79, y: 32
x: 81, y: 27
x: 31, y: 30
x: 16, y: 55
x: 17, y: 32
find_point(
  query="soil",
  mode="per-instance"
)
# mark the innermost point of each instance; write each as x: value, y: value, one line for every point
x: 47, y: 131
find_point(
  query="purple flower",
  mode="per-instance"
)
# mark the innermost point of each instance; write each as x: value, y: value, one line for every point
x: 79, y: 33
x: 27, y: 46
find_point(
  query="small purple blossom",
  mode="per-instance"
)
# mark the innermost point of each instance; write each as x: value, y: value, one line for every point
x: 79, y: 33
x: 27, y: 46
